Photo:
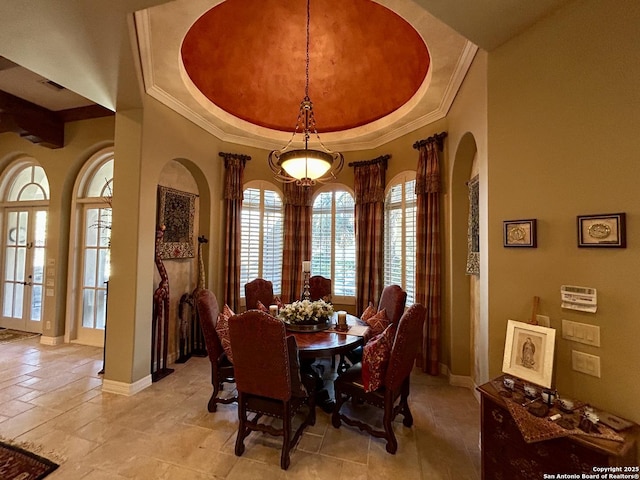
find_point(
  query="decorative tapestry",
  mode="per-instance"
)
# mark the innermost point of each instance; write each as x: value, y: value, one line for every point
x: 473, y: 229
x: 176, y: 211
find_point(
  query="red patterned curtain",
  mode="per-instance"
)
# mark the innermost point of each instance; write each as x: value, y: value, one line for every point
x: 297, y: 239
x: 369, y: 182
x: 233, y: 195
x: 428, y: 253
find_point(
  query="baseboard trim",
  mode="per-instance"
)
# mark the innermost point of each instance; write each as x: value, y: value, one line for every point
x: 51, y: 340
x: 126, y: 389
x: 461, y: 381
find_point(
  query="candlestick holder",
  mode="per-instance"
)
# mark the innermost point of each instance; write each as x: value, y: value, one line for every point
x: 306, y: 294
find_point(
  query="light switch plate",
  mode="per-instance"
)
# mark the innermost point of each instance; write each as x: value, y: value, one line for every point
x: 543, y: 320
x: 581, y: 332
x: 585, y: 363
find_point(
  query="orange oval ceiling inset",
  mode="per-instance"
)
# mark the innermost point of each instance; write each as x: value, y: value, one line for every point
x: 248, y: 58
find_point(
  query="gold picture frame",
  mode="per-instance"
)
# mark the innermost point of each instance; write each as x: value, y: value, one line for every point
x: 520, y: 233
x: 528, y: 352
x: 605, y: 230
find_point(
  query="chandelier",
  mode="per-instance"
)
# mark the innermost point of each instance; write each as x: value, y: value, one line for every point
x: 305, y: 166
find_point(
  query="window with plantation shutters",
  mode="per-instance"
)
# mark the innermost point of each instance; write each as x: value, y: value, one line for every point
x: 261, y: 233
x: 334, y: 241
x: 400, y: 234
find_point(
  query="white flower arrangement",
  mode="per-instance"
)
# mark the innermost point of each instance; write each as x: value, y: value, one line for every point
x: 305, y: 312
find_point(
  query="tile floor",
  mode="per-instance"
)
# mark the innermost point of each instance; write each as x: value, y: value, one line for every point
x: 51, y: 396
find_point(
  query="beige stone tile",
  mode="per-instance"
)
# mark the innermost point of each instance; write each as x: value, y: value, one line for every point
x: 347, y: 443
x: 165, y: 431
x: 26, y: 421
x: 70, y: 470
x: 63, y: 444
x: 21, y: 380
x: 246, y: 469
x: 116, y: 451
x: 310, y: 442
x: 12, y: 392
x: 147, y: 468
x: 14, y: 407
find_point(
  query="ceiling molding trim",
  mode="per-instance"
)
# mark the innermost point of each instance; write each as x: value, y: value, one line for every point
x: 461, y: 69
x: 143, y: 32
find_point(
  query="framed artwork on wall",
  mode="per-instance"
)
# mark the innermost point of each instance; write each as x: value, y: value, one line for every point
x: 520, y: 233
x: 176, y: 211
x: 605, y: 230
x: 528, y: 352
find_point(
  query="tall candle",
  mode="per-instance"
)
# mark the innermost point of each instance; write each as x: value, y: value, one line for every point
x: 273, y: 310
x: 306, y: 266
x: 342, y: 318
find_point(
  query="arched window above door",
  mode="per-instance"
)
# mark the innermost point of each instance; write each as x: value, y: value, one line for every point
x: 27, y: 182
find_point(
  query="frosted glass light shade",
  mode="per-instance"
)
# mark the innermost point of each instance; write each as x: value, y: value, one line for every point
x: 306, y: 163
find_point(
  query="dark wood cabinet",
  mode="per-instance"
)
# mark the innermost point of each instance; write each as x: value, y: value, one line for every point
x: 506, y: 456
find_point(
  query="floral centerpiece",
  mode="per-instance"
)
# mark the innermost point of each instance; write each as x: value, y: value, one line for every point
x: 306, y: 313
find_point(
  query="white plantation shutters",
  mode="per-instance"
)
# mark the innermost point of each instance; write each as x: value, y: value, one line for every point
x: 261, y: 242
x: 333, y: 241
x: 400, y: 234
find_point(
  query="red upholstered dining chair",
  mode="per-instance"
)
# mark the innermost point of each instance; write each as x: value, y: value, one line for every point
x: 386, y: 382
x: 268, y: 380
x: 258, y: 290
x: 221, y: 367
x: 320, y: 288
x: 393, y: 300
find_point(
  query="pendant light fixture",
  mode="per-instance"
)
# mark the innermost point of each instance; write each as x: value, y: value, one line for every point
x: 305, y: 166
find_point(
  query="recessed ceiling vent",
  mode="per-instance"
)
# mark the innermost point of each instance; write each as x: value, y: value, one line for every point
x: 51, y: 84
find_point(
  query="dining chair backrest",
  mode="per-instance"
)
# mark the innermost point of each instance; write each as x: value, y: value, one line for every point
x: 258, y: 290
x: 260, y: 355
x: 320, y: 288
x: 393, y: 300
x: 208, y: 310
x: 405, y: 346
x: 221, y: 367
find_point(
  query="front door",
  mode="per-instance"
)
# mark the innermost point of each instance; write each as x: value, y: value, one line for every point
x: 24, y: 268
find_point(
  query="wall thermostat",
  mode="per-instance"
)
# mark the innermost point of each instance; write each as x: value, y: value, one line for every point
x: 584, y: 299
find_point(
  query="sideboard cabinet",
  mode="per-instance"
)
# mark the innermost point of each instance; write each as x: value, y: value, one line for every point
x: 506, y: 456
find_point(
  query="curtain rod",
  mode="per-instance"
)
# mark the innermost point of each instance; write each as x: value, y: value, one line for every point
x: 438, y: 137
x: 234, y: 156
x: 380, y: 159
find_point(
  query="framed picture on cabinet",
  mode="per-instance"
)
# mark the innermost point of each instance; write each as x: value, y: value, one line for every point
x: 520, y: 233
x: 528, y: 352
x: 606, y: 230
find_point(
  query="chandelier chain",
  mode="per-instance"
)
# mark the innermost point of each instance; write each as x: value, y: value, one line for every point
x: 306, y: 89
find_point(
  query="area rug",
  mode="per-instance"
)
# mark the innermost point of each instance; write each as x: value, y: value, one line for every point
x: 7, y: 335
x: 19, y: 464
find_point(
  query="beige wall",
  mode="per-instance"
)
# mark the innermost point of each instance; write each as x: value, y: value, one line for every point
x: 466, y: 146
x: 564, y: 110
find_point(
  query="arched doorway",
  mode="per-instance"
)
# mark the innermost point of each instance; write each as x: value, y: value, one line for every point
x: 25, y: 194
x: 464, y: 299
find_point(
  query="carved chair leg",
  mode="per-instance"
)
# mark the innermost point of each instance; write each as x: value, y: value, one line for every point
x: 242, y: 429
x: 404, y: 406
x: 335, y: 415
x: 285, y: 460
x: 387, y: 422
x: 212, y: 406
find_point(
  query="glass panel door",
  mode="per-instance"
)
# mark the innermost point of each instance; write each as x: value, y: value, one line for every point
x: 24, y: 269
x: 95, y: 275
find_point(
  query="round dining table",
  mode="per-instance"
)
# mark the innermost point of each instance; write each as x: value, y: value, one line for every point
x: 326, y: 343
